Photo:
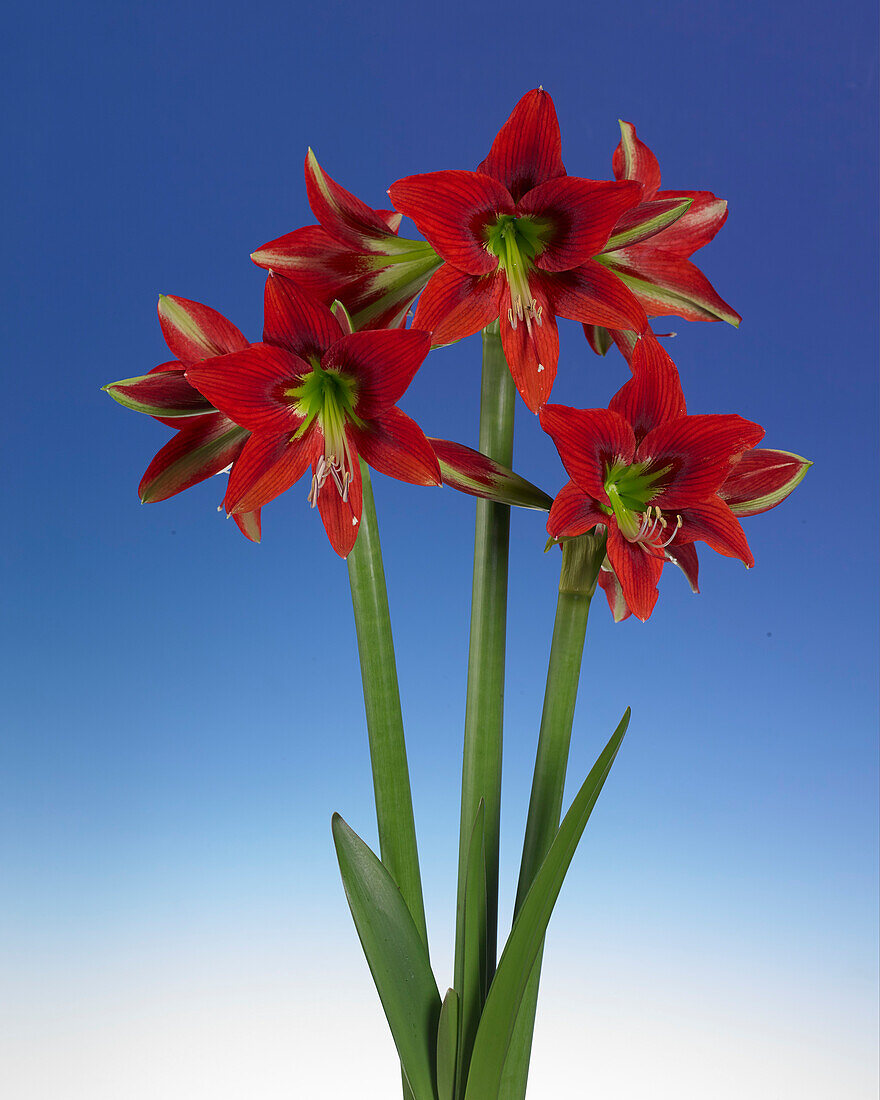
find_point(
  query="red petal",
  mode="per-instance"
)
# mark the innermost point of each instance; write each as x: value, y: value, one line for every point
x: 589, y: 441
x: 296, y: 321
x: 573, y: 513
x: 598, y: 338
x: 653, y: 395
x: 250, y: 386
x: 165, y: 394
x: 531, y: 356
x: 267, y: 467
x: 396, y: 446
x: 454, y: 305
x: 199, y: 450
x: 637, y: 572
x: 714, y: 523
x: 452, y: 210
x: 633, y: 160
x: 647, y: 221
x: 472, y: 472
x: 249, y: 524
x: 528, y: 148
x: 194, y: 332
x: 698, y: 451
x: 761, y: 479
x: 669, y: 286
x: 610, y: 585
x: 684, y: 555
x: 383, y: 362
x: 593, y: 294
x: 696, y: 227
x: 343, y: 215
x: 583, y: 214
x: 341, y: 518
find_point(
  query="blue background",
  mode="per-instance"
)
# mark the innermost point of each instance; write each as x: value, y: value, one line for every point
x: 182, y: 708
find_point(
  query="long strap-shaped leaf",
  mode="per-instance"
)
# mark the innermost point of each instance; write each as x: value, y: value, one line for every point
x: 506, y: 992
x: 397, y: 957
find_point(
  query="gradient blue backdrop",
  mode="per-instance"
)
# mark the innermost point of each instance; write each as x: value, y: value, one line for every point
x: 182, y: 708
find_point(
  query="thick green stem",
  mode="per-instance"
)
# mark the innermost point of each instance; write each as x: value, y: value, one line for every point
x: 581, y: 560
x: 481, y: 766
x: 394, y: 811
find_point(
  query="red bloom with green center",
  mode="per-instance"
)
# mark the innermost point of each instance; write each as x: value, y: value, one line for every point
x: 315, y: 394
x: 354, y: 256
x: 649, y: 473
x: 656, y: 265
x: 207, y: 441
x: 518, y: 237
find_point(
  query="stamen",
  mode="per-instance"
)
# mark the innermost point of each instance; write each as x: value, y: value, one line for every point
x: 672, y: 536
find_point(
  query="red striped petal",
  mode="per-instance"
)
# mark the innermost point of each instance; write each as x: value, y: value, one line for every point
x: 454, y: 305
x: 249, y: 524
x: 610, y: 585
x: 194, y: 332
x: 267, y: 466
x: 472, y: 472
x: 696, y: 227
x: 452, y: 210
x: 684, y: 555
x: 669, y: 286
x: 697, y: 452
x: 582, y: 212
x: 296, y: 321
x: 532, y: 353
x: 633, y: 160
x: 341, y: 518
x: 383, y: 362
x: 647, y: 221
x: 199, y: 450
x: 396, y: 446
x: 594, y: 295
x: 637, y: 571
x: 165, y: 394
x: 528, y: 148
x: 653, y: 395
x: 250, y: 386
x: 714, y: 523
x: 573, y: 513
x: 589, y: 441
x: 342, y: 214
x: 761, y: 479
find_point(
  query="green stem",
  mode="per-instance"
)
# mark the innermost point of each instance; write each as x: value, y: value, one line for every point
x: 481, y: 765
x: 581, y: 560
x: 394, y: 811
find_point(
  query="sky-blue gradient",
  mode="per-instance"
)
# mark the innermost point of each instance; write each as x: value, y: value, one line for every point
x: 183, y: 709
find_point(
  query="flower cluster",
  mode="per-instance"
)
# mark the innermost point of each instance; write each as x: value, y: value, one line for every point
x: 518, y: 242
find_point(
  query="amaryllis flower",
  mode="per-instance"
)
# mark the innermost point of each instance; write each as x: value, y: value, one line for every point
x: 656, y: 265
x: 316, y: 394
x: 206, y: 441
x: 518, y: 237
x: 649, y: 473
x: 759, y: 480
x: 354, y: 256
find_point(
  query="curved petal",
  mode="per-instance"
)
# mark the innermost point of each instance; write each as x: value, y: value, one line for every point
x: 589, y: 441
x: 531, y: 350
x: 249, y: 524
x: 573, y: 513
x: 610, y: 585
x: 384, y: 362
x: 696, y: 453
x: 454, y: 305
x: 251, y: 386
x: 199, y: 450
x: 637, y: 571
x: 314, y: 260
x: 342, y: 214
x: 342, y: 517
x: 165, y: 394
x: 396, y: 446
x: 598, y: 338
x: 295, y: 320
x: 594, y: 295
x: 452, y: 210
x: 653, y: 395
x: 194, y: 332
x: 633, y: 160
x: 646, y: 221
x: 668, y: 286
x: 582, y: 213
x: 267, y: 467
x: 528, y: 149
x: 696, y: 227
x: 714, y: 523
x: 472, y: 472
x: 684, y: 555
x: 761, y: 479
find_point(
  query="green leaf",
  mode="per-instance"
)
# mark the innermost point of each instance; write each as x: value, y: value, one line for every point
x: 475, y: 977
x: 397, y: 958
x: 447, y: 1046
x: 511, y: 978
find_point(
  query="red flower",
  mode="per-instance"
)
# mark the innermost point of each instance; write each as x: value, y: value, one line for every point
x: 354, y: 256
x: 316, y: 394
x: 649, y: 473
x: 655, y: 265
x: 518, y: 237
x: 207, y: 441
